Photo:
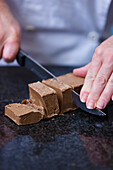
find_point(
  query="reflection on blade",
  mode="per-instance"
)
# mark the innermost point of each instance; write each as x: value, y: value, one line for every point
x: 77, y: 102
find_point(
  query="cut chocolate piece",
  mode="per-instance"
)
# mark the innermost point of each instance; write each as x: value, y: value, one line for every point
x: 42, y: 95
x: 23, y: 114
x: 73, y: 81
x: 64, y: 93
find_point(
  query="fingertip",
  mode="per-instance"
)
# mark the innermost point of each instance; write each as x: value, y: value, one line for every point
x: 84, y: 96
x: 75, y: 71
x: 10, y: 51
x: 79, y: 72
x: 101, y: 104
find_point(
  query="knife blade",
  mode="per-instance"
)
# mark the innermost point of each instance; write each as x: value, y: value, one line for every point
x: 28, y: 62
x: 78, y: 103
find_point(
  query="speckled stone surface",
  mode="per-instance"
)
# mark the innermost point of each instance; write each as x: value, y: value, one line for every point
x: 76, y: 140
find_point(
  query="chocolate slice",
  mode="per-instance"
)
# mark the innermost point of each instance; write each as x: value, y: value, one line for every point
x: 23, y: 114
x: 64, y: 93
x: 73, y: 81
x: 42, y: 95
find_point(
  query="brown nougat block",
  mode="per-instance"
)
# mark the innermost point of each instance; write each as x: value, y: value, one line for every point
x: 42, y: 95
x: 23, y: 114
x: 64, y: 93
x: 74, y: 81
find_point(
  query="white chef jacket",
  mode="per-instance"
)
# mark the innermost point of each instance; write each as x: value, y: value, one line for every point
x: 60, y: 32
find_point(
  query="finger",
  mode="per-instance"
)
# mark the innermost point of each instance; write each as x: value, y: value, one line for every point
x: 106, y: 94
x: 81, y: 71
x: 90, y: 77
x: 98, y: 86
x: 10, y: 51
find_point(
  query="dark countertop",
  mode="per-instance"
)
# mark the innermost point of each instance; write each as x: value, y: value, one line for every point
x: 76, y: 140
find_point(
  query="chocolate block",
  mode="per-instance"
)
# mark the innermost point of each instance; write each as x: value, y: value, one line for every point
x: 42, y: 95
x: 73, y: 81
x: 23, y: 114
x: 64, y: 93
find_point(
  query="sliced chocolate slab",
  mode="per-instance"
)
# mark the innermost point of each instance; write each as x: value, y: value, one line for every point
x: 64, y: 93
x: 23, y: 114
x: 42, y: 95
x: 73, y: 81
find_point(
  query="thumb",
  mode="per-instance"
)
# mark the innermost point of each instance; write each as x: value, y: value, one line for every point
x: 10, y: 51
x: 81, y: 71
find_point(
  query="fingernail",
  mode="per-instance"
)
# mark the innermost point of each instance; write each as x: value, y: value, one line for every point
x: 84, y: 97
x: 101, y: 105
x: 90, y: 104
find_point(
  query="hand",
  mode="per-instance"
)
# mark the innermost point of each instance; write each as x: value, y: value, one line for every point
x: 98, y: 86
x: 9, y: 34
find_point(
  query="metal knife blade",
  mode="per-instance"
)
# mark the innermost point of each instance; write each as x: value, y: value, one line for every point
x: 28, y: 62
x: 78, y: 103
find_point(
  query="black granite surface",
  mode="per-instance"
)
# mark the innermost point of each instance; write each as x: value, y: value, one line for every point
x: 76, y: 140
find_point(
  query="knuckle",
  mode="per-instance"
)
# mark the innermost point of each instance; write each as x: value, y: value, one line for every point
x: 15, y: 31
x: 96, y: 62
x: 101, y: 80
x: 90, y: 77
x: 94, y: 95
x: 12, y: 34
x: 99, y: 51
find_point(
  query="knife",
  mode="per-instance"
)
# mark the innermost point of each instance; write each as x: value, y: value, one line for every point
x: 28, y: 62
x: 77, y: 102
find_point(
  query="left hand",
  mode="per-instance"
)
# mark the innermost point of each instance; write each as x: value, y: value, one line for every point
x: 98, y: 86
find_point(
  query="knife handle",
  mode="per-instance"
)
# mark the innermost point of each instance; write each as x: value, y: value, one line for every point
x: 21, y: 57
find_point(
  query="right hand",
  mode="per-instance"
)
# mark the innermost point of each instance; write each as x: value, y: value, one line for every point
x: 10, y: 34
